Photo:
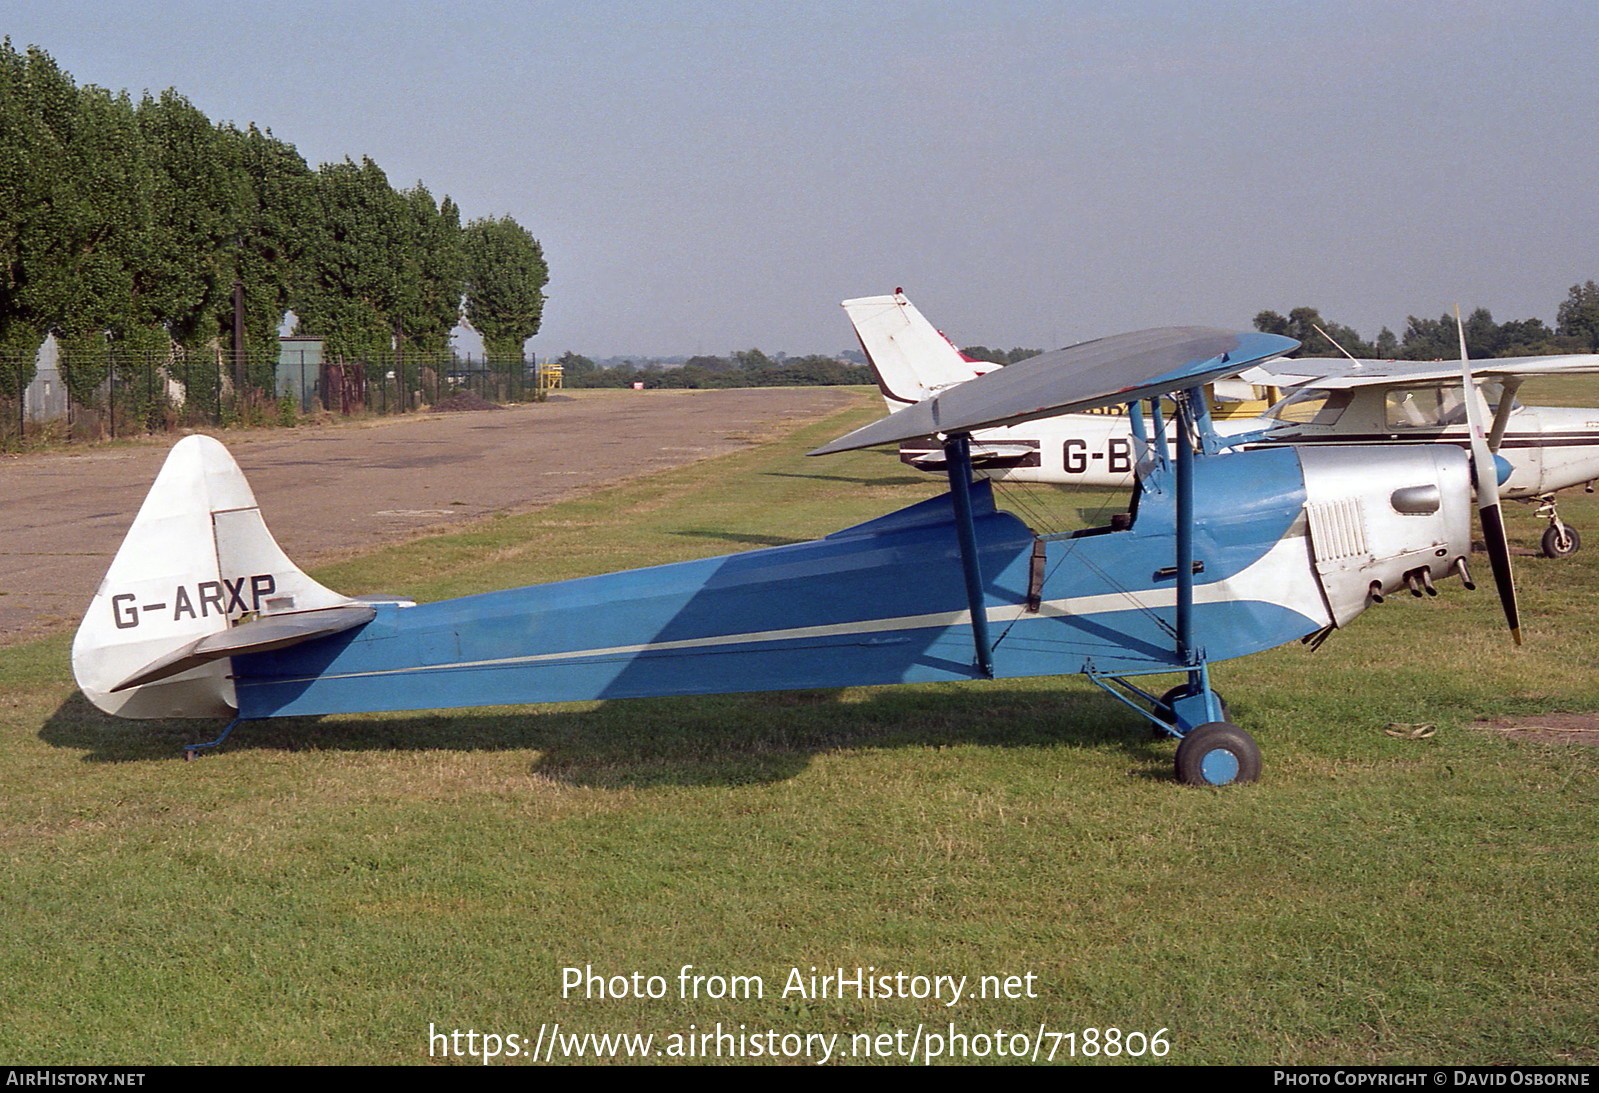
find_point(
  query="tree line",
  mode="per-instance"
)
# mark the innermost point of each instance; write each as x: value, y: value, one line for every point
x: 124, y: 225
x: 744, y: 368
x: 1576, y: 331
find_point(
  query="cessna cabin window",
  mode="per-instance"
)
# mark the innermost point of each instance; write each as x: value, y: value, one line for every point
x: 1311, y: 406
x: 1436, y: 406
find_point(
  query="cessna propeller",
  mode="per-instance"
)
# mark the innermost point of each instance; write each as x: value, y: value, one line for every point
x: 1485, y: 477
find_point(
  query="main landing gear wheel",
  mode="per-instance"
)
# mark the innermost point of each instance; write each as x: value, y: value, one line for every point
x: 1217, y: 754
x: 1560, y: 541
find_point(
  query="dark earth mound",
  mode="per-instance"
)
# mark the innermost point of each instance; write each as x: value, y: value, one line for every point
x: 464, y: 400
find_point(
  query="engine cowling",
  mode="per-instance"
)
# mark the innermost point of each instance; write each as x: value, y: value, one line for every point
x: 1381, y: 519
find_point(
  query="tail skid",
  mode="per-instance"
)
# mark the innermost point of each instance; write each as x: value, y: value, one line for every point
x: 198, y: 579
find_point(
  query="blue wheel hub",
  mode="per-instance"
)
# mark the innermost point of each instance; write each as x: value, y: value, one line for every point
x: 1217, y: 754
x: 1219, y: 766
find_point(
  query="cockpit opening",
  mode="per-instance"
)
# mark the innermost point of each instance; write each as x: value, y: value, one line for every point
x: 1311, y: 406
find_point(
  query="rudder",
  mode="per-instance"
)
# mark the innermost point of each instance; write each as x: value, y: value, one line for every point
x: 197, y: 561
x: 910, y: 358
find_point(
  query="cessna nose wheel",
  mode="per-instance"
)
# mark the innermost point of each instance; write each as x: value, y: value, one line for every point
x: 1560, y: 541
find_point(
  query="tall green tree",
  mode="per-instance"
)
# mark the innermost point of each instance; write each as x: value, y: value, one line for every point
x: 1578, y: 317
x: 199, y: 198
x: 429, y: 302
x: 575, y: 368
x: 279, y: 201
x: 38, y: 104
x: 750, y: 360
x: 433, y: 278
x: 1428, y: 339
x: 106, y: 242
x: 358, y: 245
x: 1483, y: 337
x: 1525, y: 338
x: 1439, y: 339
x: 1318, y: 337
x: 123, y: 229
x: 998, y: 356
x: 505, y: 279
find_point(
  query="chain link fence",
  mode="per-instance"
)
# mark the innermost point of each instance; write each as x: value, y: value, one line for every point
x: 177, y: 390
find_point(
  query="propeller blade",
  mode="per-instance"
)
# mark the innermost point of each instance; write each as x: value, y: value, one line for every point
x: 1486, y: 479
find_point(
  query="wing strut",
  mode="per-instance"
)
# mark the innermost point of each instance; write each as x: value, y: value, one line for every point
x: 958, y: 463
x: 1189, y: 424
x: 1507, y: 403
x: 1185, y: 530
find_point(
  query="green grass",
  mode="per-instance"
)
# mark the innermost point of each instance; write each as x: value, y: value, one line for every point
x: 322, y: 889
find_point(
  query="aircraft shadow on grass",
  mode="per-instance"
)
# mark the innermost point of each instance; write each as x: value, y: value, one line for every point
x: 724, y: 740
x: 743, y: 539
x: 853, y: 480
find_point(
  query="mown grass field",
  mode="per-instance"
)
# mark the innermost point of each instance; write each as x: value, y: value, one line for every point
x: 322, y: 890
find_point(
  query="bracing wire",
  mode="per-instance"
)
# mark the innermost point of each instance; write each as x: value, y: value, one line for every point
x: 1017, y: 496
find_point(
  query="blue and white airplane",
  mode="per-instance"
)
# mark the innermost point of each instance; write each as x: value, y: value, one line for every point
x: 1222, y: 554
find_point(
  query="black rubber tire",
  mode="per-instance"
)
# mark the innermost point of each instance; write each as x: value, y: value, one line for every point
x: 1217, y: 753
x: 1555, y: 545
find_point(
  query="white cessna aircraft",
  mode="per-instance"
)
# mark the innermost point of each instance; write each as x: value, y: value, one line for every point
x: 1331, y: 401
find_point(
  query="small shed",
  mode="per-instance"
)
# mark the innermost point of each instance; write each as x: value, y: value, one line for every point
x: 299, y: 369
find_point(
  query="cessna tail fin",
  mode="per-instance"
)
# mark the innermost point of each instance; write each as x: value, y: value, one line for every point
x: 198, y: 578
x: 910, y: 358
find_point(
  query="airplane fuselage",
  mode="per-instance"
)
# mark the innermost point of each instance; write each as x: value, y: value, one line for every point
x: 1548, y: 448
x: 882, y: 602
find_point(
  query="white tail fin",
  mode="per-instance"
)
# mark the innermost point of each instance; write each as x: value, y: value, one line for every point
x: 910, y: 358
x: 197, y: 561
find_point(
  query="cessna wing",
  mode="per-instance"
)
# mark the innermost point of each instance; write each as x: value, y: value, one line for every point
x: 1342, y: 372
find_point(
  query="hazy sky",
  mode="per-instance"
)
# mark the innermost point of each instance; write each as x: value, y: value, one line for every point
x: 712, y: 176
